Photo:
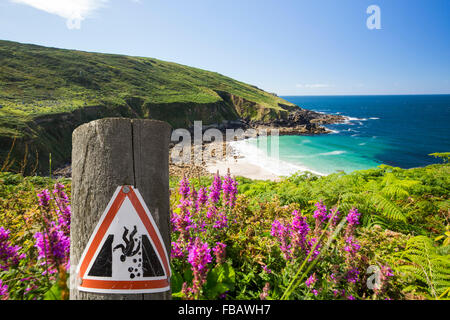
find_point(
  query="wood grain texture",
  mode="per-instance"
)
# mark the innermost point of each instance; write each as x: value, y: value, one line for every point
x: 108, y: 153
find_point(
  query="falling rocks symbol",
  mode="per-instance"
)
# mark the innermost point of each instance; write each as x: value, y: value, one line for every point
x: 125, y: 253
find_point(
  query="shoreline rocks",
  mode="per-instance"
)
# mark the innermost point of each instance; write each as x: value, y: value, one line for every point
x: 298, y: 122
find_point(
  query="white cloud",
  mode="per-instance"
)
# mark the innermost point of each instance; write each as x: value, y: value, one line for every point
x: 313, y: 86
x: 74, y: 11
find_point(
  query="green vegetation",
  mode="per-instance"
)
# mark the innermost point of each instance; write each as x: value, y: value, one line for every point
x: 411, y: 201
x: 37, y: 81
x: 404, y: 225
x: 45, y: 93
x: 400, y: 226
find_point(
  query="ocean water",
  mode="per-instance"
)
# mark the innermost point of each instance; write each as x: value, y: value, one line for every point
x: 396, y: 130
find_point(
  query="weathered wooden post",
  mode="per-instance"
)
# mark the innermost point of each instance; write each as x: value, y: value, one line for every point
x: 106, y: 154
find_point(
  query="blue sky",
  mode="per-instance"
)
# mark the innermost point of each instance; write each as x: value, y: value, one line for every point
x: 291, y: 47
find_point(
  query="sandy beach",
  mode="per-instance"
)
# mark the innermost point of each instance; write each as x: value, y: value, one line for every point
x: 241, y: 167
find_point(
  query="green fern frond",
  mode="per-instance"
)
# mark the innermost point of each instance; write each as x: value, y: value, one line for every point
x: 395, y: 191
x: 388, y: 208
x: 426, y: 265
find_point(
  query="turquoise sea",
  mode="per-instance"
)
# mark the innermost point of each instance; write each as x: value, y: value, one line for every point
x: 398, y: 130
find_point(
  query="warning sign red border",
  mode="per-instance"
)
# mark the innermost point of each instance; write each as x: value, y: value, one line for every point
x: 123, y: 286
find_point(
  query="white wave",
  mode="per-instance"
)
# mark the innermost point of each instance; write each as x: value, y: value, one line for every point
x: 258, y: 157
x: 303, y: 142
x: 333, y: 153
x: 363, y: 143
x: 350, y: 120
x: 374, y: 118
x: 355, y: 119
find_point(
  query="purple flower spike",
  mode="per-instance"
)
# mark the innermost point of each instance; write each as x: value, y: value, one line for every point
x: 9, y: 254
x: 219, y: 252
x: 3, y: 291
x: 214, y: 189
x: 353, y: 217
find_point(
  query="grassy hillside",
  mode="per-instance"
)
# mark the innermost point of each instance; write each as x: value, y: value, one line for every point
x: 46, y: 92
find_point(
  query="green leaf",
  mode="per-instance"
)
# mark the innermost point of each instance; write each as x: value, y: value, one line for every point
x: 220, y: 280
x: 54, y: 293
x: 188, y: 275
x: 176, y: 282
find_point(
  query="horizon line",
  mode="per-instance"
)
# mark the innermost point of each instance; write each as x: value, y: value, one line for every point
x: 364, y: 95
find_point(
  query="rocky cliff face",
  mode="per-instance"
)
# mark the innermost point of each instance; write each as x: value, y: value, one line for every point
x: 52, y: 133
x: 299, y: 122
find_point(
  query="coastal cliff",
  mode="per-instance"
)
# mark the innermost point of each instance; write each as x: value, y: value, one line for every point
x: 45, y: 93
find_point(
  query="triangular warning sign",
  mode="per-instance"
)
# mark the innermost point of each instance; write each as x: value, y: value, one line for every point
x: 126, y: 253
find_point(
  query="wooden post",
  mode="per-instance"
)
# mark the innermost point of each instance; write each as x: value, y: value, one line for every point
x: 108, y: 153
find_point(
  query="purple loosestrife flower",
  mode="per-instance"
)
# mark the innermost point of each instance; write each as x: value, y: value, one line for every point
x: 266, y: 269
x: 60, y: 194
x: 27, y: 290
x: 352, y: 275
x: 229, y: 190
x: 44, y: 203
x: 183, y: 222
x: 9, y: 254
x: 193, y: 199
x: 316, y: 251
x: 299, y: 230
x: 214, y: 189
x: 202, y: 197
x: 199, y: 256
x: 320, y: 214
x: 352, y: 245
x: 3, y: 291
x: 173, y: 221
x: 177, y: 251
x: 212, y: 212
x: 336, y: 214
x: 53, y: 247
x: 184, y: 188
x: 281, y: 232
x: 219, y: 252
x: 44, y: 199
x: 63, y: 208
x: 352, y: 219
x: 387, y: 271
x: 221, y: 220
x: 187, y: 292
x: 265, y: 292
x: 311, y: 280
x: 201, y: 226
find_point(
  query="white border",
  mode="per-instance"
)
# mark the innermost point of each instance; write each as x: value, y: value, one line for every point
x: 155, y: 226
